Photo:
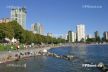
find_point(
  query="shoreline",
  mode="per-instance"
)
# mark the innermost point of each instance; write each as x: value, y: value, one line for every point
x: 7, y: 56
x: 89, y: 44
x: 97, y: 44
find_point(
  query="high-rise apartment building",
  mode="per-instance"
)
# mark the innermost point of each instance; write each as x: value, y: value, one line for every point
x: 106, y: 35
x: 19, y: 14
x: 80, y: 32
x: 37, y: 28
x: 96, y: 34
x: 71, y: 36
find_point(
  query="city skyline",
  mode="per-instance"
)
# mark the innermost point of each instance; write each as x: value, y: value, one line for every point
x: 60, y: 16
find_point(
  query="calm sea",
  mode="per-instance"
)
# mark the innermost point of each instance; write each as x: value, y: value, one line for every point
x: 87, y: 54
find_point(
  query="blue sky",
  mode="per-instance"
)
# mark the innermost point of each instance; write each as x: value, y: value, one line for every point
x: 59, y: 16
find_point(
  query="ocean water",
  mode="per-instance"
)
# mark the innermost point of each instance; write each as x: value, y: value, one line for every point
x: 86, y: 54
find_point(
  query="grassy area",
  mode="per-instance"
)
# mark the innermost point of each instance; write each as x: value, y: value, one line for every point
x: 6, y: 47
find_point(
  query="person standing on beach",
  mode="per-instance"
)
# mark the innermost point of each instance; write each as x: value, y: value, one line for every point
x: 17, y: 46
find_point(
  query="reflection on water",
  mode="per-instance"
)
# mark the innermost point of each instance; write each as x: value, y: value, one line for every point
x: 86, y: 54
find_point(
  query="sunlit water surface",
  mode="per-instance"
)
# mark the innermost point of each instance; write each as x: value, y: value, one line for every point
x: 86, y: 54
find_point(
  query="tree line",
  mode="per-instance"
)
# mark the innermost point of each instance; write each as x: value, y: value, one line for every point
x: 96, y: 39
x: 13, y: 29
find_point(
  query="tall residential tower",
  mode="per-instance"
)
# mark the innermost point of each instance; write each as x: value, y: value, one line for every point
x: 37, y: 28
x: 80, y: 32
x: 19, y: 14
x: 71, y: 37
x: 106, y: 35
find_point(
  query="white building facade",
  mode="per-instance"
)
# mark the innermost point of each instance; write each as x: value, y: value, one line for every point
x: 19, y: 14
x: 80, y: 32
x: 106, y: 35
x: 37, y: 28
x: 73, y: 36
